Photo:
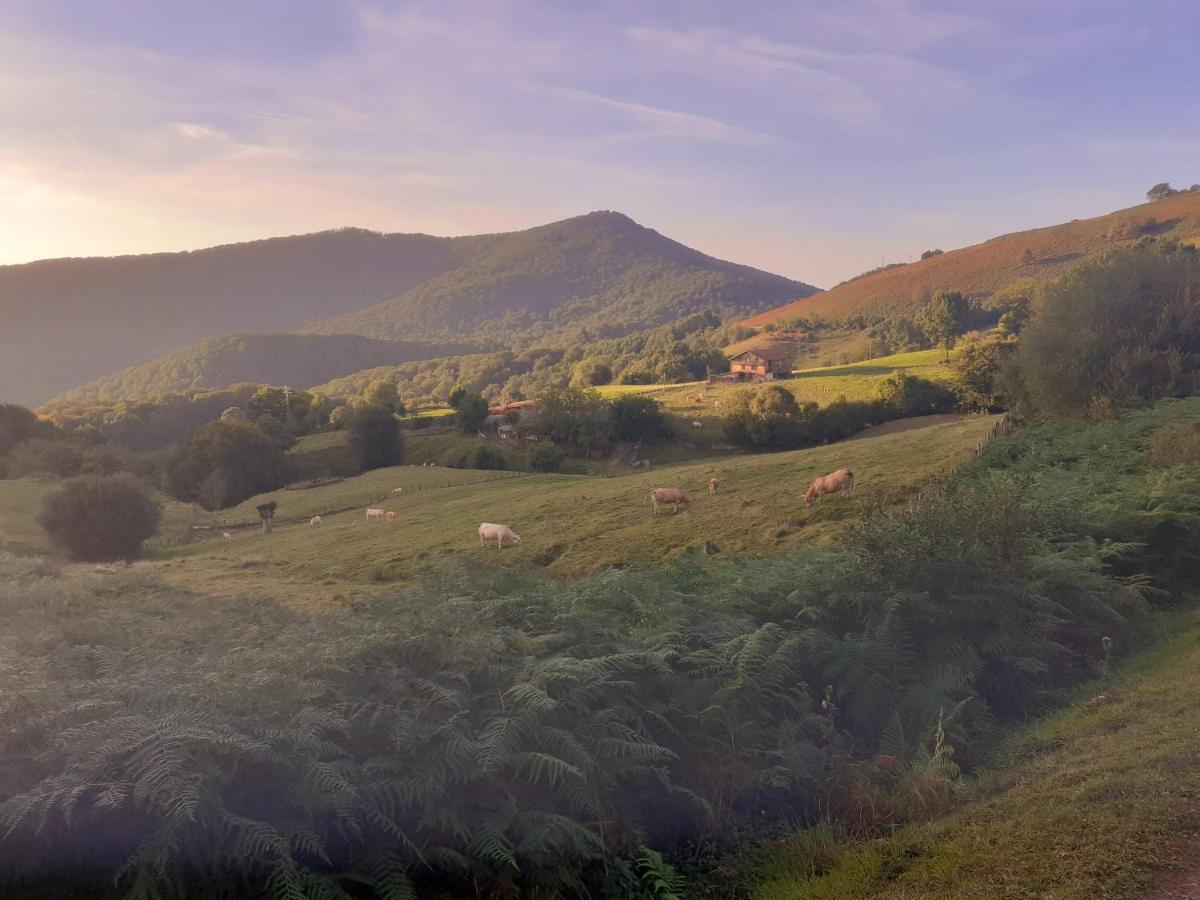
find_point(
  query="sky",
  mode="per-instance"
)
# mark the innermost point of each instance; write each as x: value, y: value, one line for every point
x: 812, y: 139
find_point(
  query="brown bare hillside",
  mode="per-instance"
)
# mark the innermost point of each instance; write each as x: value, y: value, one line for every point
x: 980, y: 269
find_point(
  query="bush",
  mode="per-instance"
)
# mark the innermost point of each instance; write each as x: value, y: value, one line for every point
x: 1174, y: 444
x: 907, y: 395
x: 485, y: 457
x: 470, y: 410
x: 977, y: 369
x: 638, y: 418
x: 16, y: 424
x: 375, y: 439
x: 95, y: 518
x: 226, y: 462
x: 546, y: 458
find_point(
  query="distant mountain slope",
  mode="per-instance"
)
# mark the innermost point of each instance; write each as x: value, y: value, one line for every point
x: 598, y: 275
x: 298, y: 360
x: 70, y: 320
x: 983, y: 268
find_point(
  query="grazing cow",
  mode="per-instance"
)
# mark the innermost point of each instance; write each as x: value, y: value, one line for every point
x: 841, y: 480
x: 391, y: 516
x: 396, y: 492
x: 696, y: 423
x: 672, y: 497
x: 314, y: 521
x: 226, y: 536
x: 501, y: 534
x: 374, y: 513
x: 713, y: 484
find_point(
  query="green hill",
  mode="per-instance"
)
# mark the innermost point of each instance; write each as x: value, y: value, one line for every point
x: 67, y: 321
x: 981, y: 269
x: 70, y: 321
x: 598, y: 275
x: 293, y: 359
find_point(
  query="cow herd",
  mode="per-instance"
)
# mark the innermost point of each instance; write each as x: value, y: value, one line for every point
x: 660, y: 498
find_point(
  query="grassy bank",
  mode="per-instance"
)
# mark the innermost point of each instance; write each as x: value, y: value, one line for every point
x: 1099, y: 800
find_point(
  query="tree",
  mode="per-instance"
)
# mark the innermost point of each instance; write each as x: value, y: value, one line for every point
x: 375, y: 437
x: 977, y: 367
x: 591, y: 373
x: 276, y: 432
x: 384, y: 394
x: 1160, y: 191
x: 575, y: 417
x: 546, y: 458
x: 233, y: 414
x: 16, y: 424
x: 1120, y: 328
x: 94, y: 518
x: 340, y: 416
x: 768, y: 418
x: 250, y: 461
x: 928, y: 253
x: 470, y: 410
x: 945, y: 318
x: 638, y: 418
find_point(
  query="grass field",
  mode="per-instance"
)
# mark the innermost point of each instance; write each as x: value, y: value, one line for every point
x: 570, y: 525
x: 701, y: 402
x: 1100, y: 800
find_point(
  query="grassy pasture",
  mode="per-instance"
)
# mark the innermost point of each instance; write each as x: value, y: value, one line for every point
x: 1099, y: 800
x: 701, y: 402
x: 570, y: 525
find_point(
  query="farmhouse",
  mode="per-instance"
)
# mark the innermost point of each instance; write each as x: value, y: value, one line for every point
x: 757, y: 364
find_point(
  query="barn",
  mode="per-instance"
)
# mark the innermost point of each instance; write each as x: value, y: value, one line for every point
x: 758, y: 364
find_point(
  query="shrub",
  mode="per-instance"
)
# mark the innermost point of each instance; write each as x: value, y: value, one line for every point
x: 375, y: 439
x: 908, y: 395
x: 485, y: 457
x: 575, y: 417
x: 638, y: 418
x: 546, y: 457
x: 95, y: 518
x: 16, y: 424
x: 1174, y: 444
x: 248, y: 461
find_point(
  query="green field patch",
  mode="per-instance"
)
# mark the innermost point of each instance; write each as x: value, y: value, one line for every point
x: 570, y: 525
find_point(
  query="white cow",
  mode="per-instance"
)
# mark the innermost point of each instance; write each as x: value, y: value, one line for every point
x: 374, y: 513
x: 314, y: 521
x: 226, y: 536
x: 396, y: 492
x: 501, y: 534
x: 391, y: 516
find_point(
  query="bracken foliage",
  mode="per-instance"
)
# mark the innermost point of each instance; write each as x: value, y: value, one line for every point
x: 490, y: 735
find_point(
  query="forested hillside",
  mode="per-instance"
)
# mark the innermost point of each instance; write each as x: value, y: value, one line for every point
x: 298, y: 360
x: 67, y: 321
x: 599, y: 275
x: 70, y: 321
x: 982, y: 269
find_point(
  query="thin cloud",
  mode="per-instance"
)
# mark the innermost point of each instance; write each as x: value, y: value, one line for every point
x: 663, y: 123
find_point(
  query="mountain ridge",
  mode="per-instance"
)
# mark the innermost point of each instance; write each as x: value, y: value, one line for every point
x: 72, y: 320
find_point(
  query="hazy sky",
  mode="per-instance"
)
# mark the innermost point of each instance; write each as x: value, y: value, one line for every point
x: 811, y: 139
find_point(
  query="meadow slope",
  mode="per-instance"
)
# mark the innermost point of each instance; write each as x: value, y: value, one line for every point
x: 981, y: 269
x: 570, y: 525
